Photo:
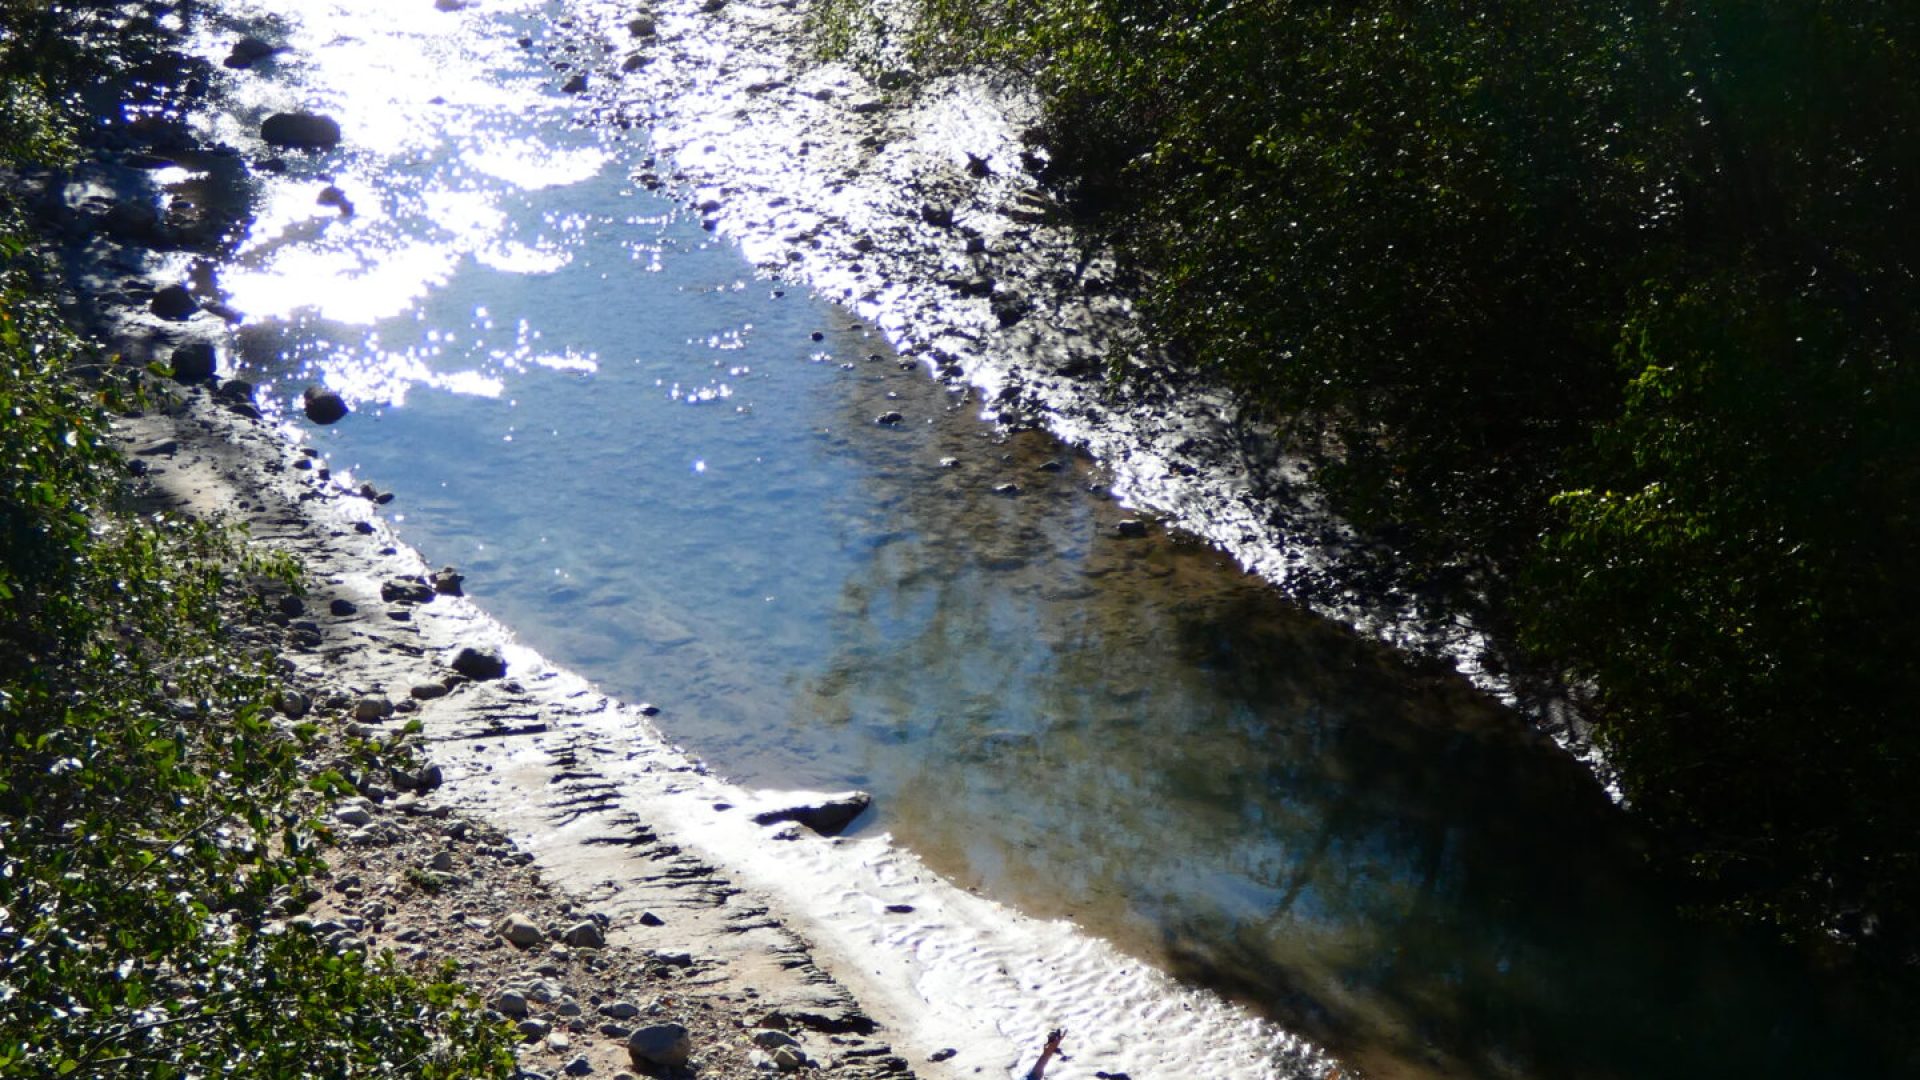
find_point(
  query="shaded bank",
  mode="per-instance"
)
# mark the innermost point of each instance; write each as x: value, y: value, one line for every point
x: 1620, y: 276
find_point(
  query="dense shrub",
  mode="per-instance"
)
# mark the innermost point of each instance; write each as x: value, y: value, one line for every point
x: 1617, y: 299
x: 150, y: 807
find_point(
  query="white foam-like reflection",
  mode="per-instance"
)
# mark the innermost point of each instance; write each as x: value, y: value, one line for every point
x: 432, y: 162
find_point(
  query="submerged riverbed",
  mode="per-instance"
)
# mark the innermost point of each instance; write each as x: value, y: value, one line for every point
x: 718, y: 493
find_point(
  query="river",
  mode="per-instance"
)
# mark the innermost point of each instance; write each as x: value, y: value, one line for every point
x: 719, y: 493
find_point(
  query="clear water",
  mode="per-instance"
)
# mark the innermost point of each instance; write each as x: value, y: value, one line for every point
x: 669, y: 476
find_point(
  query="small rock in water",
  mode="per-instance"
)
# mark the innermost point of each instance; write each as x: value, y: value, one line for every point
x: 940, y: 217
x: 520, y: 930
x: 193, y: 362
x: 1131, y: 529
x: 660, y: 1045
x: 247, y: 52
x: 828, y: 816
x: 174, y: 302
x: 889, y: 419
x: 300, y: 130
x: 323, y: 406
x: 575, y: 85
x: 334, y: 197
x: 1006, y: 489
x: 447, y: 581
x: 480, y: 664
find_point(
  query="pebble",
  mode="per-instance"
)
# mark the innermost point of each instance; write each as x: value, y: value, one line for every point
x: 520, y: 930
x: 509, y: 1003
x: 771, y: 1039
x: 342, y: 608
x: 620, y: 1010
x: 441, y: 861
x: 1131, y: 529
x: 372, y: 707
x: 534, y: 1030
x: 480, y: 663
x: 175, y: 303
x: 667, y: 1045
x: 585, y: 934
x: 426, y: 691
x: 193, y: 362
x: 353, y: 814
x: 579, y: 1066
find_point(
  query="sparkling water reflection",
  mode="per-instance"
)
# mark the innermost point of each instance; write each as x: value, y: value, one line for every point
x: 671, y: 477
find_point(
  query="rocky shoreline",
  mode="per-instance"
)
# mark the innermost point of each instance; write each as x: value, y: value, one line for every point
x: 593, y: 973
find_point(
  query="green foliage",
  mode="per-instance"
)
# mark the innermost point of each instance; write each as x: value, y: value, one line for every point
x: 150, y: 804
x: 1422, y: 232
x: 1741, y: 593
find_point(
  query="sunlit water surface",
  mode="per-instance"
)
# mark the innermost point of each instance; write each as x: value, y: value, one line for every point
x: 668, y: 476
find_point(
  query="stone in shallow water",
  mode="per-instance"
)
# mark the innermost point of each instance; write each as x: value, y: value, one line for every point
x: 828, y: 815
x: 323, y: 406
x: 300, y: 130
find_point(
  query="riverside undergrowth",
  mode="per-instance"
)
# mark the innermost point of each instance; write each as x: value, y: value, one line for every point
x: 1606, y: 308
x: 155, y: 820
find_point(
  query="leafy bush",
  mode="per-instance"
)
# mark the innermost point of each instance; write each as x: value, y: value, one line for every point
x: 150, y: 807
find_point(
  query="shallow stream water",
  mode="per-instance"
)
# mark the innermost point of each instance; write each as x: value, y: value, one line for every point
x: 672, y: 476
